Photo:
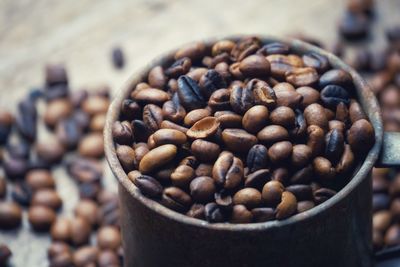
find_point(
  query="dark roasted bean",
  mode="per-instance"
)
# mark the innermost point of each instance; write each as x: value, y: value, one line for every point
x: 179, y: 67
x: 22, y: 194
x: 210, y: 82
x: 323, y: 194
x: 335, y: 77
x: 228, y: 171
x: 332, y: 95
x: 257, y: 158
x: 316, y: 61
x: 274, y: 48
x: 152, y: 117
x: 176, y: 199
x: 190, y: 93
x: 241, y: 99
x: 213, y: 213
x: 334, y: 145
x: 263, y: 94
x: 148, y: 185
x: 10, y: 215
x: 354, y: 25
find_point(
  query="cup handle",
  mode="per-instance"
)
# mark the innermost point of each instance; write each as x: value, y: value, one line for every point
x: 390, y: 152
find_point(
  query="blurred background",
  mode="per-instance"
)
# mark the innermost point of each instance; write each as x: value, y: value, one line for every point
x: 83, y: 35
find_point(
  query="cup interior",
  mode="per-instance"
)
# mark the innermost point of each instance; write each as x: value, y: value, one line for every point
x: 365, y: 96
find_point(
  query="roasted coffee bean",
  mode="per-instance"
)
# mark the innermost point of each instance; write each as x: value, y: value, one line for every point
x: 126, y: 156
x: 354, y: 26
x: 55, y: 74
x: 193, y: 51
x: 241, y: 99
x: 255, y: 119
x: 182, y: 176
x: 334, y: 145
x: 118, y: 58
x: 5, y: 254
x: 272, y: 193
x: 148, y: 185
x: 224, y: 200
x: 197, y: 211
x: 150, y: 96
x: 257, y: 179
x: 108, y: 237
x: 280, y: 174
x: 310, y: 95
x: 240, y: 214
x: 152, y: 117
x: 204, y: 170
x: 287, y: 96
x: 210, y: 82
x: 91, y: 145
x: 279, y: 152
x: 88, y: 210
x: 130, y: 109
x: 41, y: 218
x: 361, y: 136
x: 213, y: 213
x: 300, y: 125
x: 301, y: 191
x: 3, y: 187
x: 108, y: 258
x: 22, y: 194
x: 204, y: 128
x: 249, y: 197
x: 95, y: 104
x: 56, y: 111
x: 202, y: 189
x: 254, y: 66
x: 205, y: 151
x: 89, y: 190
x: 280, y: 64
x: 18, y: 149
x: 69, y: 133
x: 176, y: 199
x: 26, y: 120
x: 380, y: 201
x: 157, y: 78
x: 305, y: 205
x: 303, y: 175
x: 257, y: 158
x: 263, y: 214
x: 272, y: 134
x: 323, y: 168
x: 283, y: 116
x: 316, y: 61
x: 238, y: 140
x: 48, y: 198
x: 332, y: 95
x: 301, y: 155
x: 170, y: 125
x: 157, y: 157
x: 109, y: 213
x: 228, y: 171
x: 84, y: 170
x: 220, y: 100
x: 189, y: 93
x: 51, y: 150
x: 173, y: 111
x: 245, y: 47
x: 142, y: 132
x: 274, y: 48
x: 80, y: 231
x: 381, y: 220
x: 316, y: 139
x: 302, y: 76
x: 97, y: 123
x: 223, y: 46
x: 228, y: 119
x: 315, y: 115
x: 85, y: 256
x: 15, y: 168
x: 61, y: 229
x: 169, y: 136
x: 263, y: 94
x: 335, y: 77
x: 196, y: 73
x: 195, y: 115
x: 10, y: 215
x: 287, y: 207
x: 323, y: 194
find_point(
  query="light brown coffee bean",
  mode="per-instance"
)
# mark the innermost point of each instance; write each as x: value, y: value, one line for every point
x: 61, y: 229
x: 280, y: 64
x: 50, y: 150
x: 176, y: 199
x: 272, y: 134
x: 315, y: 115
x: 126, y: 156
x: 173, y: 111
x: 228, y: 119
x: 193, y: 51
x: 249, y: 197
x: 195, y: 115
x: 204, y: 128
x: 279, y: 152
x: 302, y: 76
x: 157, y: 157
x: 150, y: 96
x: 240, y: 214
x: 109, y: 237
x: 316, y: 139
x: 335, y: 124
x: 346, y: 162
x: 355, y: 111
x: 92, y: 145
x: 152, y: 117
x: 263, y: 94
x: 272, y: 193
x: 223, y: 46
x: 204, y: 170
x: 228, y: 171
x: 323, y: 168
x: 283, y: 116
x: 97, y: 123
x: 254, y: 66
x: 10, y: 215
x: 202, y: 189
x: 85, y: 256
x: 171, y: 125
x: 287, y: 207
x: 220, y: 99
x: 87, y: 209
x: 169, y: 136
x: 80, y: 231
x: 48, y: 198
x: 182, y: 176
x: 361, y: 136
x: 205, y: 151
x: 41, y: 218
x: 40, y: 179
x: 238, y: 140
x: 57, y: 110
x: 157, y: 78
x: 255, y: 119
x: 301, y: 155
x: 310, y: 95
x: 287, y: 96
x: 95, y: 104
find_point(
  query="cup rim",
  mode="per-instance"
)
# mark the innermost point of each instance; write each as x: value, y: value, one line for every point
x: 365, y: 96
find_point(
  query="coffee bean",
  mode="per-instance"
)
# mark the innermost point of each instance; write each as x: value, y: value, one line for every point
x: 301, y: 155
x: 202, y: 189
x: 203, y: 128
x: 15, y: 168
x: 108, y: 237
x: 169, y: 136
x: 204, y: 170
x: 241, y: 99
x: 228, y: 119
x: 336, y: 77
x: 240, y: 214
x: 108, y: 258
x: 157, y: 157
x: 69, y: 133
x: 61, y: 229
x: 255, y: 66
x: 157, y: 78
x: 280, y: 174
x: 210, y: 82
x: 26, y: 119
x: 213, y: 213
x: 257, y: 158
x: 274, y: 48
x: 6, y: 121
x: 41, y: 218
x: 238, y: 140
x: 381, y: 220
x: 196, y: 115
x: 303, y: 175
x: 263, y: 94
x: 280, y: 151
x: 172, y: 110
x: 310, y: 95
x: 3, y: 187
x: 316, y: 61
x: 323, y: 194
x: 91, y: 145
x: 220, y: 100
x: 10, y: 215
x: 249, y: 197
x: 332, y: 95
x: 223, y: 46
x: 283, y: 116
x: 55, y: 74
x: 189, y: 93
x: 380, y: 202
x: 323, y: 168
x: 245, y: 47
x: 85, y: 256
x: 301, y: 191
x: 48, y: 198
x: 196, y: 211
x: 272, y: 193
x: 205, y: 151
x: 287, y: 96
x: 280, y: 64
x: 182, y: 176
x: 95, y: 104
x: 272, y: 134
x: 84, y: 170
x: 315, y: 139
x: 287, y: 207
x: 302, y: 76
x: 50, y: 150
x: 263, y: 214
x: 87, y: 209
x: 305, y: 205
x: 56, y: 111
x: 361, y: 136
x: 334, y: 145
x: 193, y: 50
x: 80, y: 230
x: 176, y: 199
x: 255, y: 119
x: 354, y: 26
x: 118, y: 58
x: 257, y: 179
x: 227, y: 171
x: 109, y: 213
x: 148, y: 185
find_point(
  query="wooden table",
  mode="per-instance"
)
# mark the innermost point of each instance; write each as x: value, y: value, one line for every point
x: 82, y: 33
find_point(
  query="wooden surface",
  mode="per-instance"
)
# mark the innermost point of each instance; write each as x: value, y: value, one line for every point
x: 82, y: 33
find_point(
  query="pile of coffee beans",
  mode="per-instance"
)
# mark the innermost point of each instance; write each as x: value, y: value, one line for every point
x: 72, y: 140
x: 242, y: 131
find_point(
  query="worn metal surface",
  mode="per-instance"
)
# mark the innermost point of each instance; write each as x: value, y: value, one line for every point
x: 335, y: 233
x: 390, y: 154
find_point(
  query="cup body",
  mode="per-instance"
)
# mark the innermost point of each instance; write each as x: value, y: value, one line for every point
x: 335, y: 233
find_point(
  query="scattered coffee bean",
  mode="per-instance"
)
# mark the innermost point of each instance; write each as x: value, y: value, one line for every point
x: 10, y: 215
x: 118, y: 58
x: 41, y: 218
